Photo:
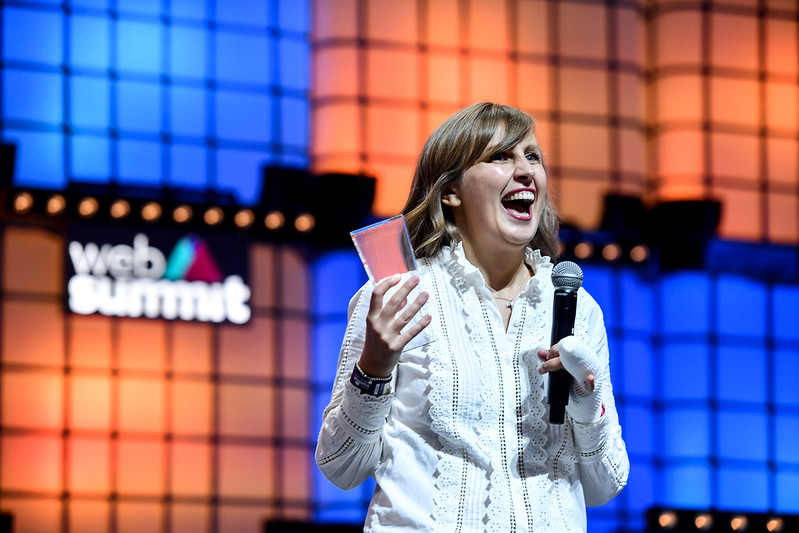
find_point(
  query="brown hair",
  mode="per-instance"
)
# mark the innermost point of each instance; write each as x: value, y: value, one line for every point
x: 457, y: 144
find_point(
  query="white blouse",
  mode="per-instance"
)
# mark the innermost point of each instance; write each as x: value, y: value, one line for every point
x: 461, y: 441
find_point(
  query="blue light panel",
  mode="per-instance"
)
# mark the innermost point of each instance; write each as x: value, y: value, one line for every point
x: 187, y: 52
x: 686, y: 433
x: 90, y: 104
x: 686, y: 372
x: 129, y: 79
x: 43, y: 46
x: 787, y: 500
x: 90, y: 158
x: 242, y: 58
x: 89, y: 42
x: 686, y: 303
x: 139, y: 107
x: 188, y: 166
x: 188, y: 112
x: 750, y: 431
x: 787, y: 437
x: 636, y: 358
x: 786, y: 368
x: 33, y: 97
x: 140, y: 162
x: 738, y: 378
x: 785, y: 312
x: 743, y: 489
x: 687, y: 486
x: 741, y: 307
x: 138, y: 47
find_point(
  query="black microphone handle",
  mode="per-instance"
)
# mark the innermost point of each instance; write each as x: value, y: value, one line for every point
x: 564, y: 309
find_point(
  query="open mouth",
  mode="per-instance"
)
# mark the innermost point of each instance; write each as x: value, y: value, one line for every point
x: 518, y: 204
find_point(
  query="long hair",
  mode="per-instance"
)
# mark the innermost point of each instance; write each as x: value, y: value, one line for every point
x: 457, y: 144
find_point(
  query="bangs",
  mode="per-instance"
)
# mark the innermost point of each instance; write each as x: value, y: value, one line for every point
x: 514, y: 126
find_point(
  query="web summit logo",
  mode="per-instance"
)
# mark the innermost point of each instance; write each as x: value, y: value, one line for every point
x: 135, y: 281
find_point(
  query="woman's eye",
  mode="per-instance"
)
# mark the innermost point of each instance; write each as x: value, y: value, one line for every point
x: 499, y: 157
x: 533, y: 157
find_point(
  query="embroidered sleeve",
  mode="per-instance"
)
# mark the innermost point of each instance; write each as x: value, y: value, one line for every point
x: 603, y: 455
x: 349, y: 444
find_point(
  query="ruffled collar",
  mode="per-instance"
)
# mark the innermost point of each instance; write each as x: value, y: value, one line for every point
x: 465, y: 274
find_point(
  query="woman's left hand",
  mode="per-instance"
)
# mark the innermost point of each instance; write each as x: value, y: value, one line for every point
x: 583, y: 363
x: 551, y: 362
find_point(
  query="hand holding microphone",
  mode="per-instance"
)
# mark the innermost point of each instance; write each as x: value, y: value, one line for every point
x: 582, y: 363
x: 576, y: 359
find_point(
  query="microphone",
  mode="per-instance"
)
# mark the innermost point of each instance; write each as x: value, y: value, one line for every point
x: 567, y: 278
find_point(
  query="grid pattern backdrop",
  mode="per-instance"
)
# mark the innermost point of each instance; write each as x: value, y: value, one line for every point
x: 387, y: 73
x: 123, y: 424
x: 133, y: 424
x: 163, y: 93
x: 724, y: 102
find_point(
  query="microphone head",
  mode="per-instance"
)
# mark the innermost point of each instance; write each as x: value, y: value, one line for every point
x: 567, y: 275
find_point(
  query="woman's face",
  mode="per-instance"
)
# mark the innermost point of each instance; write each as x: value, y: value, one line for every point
x: 497, y: 202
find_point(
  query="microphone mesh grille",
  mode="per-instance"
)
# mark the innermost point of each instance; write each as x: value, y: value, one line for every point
x: 567, y: 275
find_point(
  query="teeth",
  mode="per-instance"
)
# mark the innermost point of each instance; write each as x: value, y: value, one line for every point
x: 521, y: 195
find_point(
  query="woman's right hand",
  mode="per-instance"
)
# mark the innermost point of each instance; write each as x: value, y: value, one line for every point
x: 385, y: 338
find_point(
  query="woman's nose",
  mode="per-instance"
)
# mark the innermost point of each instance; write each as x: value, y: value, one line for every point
x: 523, y: 169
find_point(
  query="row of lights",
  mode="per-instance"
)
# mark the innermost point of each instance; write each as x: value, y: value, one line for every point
x: 610, y: 252
x: 152, y: 211
x: 682, y: 520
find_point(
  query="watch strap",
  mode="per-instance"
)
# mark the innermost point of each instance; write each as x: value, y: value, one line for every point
x: 368, y: 384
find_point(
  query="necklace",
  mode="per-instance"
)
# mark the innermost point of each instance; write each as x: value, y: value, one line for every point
x: 498, y: 297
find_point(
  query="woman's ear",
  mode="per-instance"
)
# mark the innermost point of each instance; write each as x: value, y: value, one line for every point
x: 449, y: 197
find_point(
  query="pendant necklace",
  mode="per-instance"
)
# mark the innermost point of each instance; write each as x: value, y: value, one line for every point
x: 498, y: 297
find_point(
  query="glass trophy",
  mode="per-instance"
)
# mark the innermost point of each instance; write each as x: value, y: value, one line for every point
x: 385, y: 248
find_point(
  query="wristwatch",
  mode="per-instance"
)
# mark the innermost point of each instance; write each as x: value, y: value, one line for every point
x: 367, y: 384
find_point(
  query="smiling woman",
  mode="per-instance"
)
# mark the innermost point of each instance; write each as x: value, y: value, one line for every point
x: 445, y: 407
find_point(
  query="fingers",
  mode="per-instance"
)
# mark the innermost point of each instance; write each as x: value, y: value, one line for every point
x: 389, y: 317
x: 381, y: 289
x: 415, y: 329
x: 550, y: 365
x: 397, y: 300
x: 552, y: 362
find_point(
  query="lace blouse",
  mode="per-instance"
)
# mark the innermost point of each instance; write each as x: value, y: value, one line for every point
x: 461, y: 441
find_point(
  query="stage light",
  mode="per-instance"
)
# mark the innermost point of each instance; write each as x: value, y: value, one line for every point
x: 23, y: 202
x: 120, y: 208
x: 244, y: 218
x: 611, y: 252
x: 304, y: 223
x: 639, y: 253
x: 274, y: 220
x: 667, y: 520
x: 739, y: 523
x: 151, y: 211
x: 213, y: 216
x: 88, y: 207
x: 703, y: 521
x: 774, y: 524
x: 182, y: 214
x: 583, y: 250
x: 56, y: 204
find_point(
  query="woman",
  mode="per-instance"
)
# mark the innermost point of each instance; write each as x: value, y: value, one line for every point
x: 440, y: 390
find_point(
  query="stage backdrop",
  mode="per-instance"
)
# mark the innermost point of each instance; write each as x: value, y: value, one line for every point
x: 117, y: 424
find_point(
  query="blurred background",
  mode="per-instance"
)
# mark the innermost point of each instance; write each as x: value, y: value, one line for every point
x: 179, y: 178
